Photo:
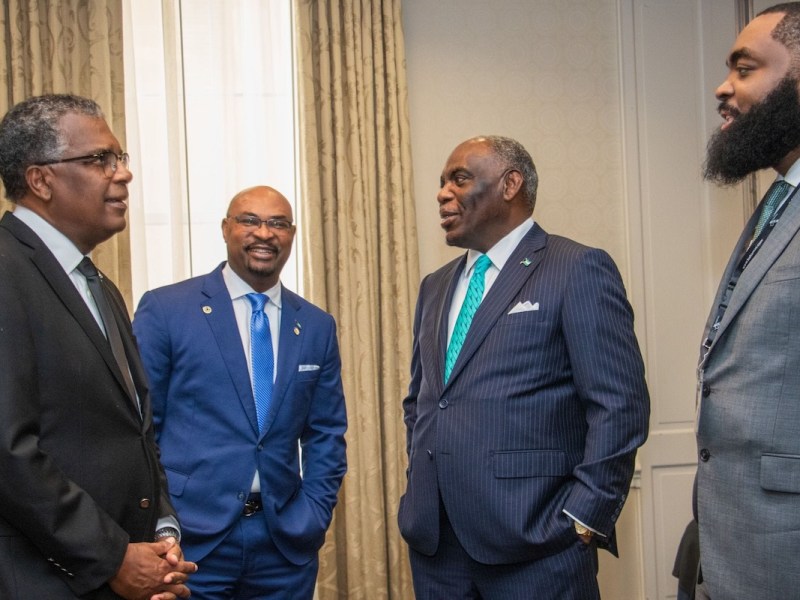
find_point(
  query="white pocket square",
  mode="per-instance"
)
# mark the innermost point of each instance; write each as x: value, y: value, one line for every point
x: 302, y: 368
x: 524, y: 307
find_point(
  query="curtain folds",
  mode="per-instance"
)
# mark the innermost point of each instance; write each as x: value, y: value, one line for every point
x: 68, y: 46
x: 360, y: 262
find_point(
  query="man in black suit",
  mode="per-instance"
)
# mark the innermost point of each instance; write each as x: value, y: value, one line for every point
x: 84, y: 509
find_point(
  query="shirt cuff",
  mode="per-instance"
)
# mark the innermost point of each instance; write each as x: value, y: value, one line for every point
x: 584, y: 524
x: 169, y: 522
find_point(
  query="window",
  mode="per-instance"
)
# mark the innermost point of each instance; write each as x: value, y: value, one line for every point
x: 210, y: 111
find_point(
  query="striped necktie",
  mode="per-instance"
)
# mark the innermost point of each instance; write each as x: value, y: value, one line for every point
x: 471, y: 302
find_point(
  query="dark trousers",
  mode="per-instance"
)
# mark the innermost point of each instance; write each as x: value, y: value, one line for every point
x: 451, y: 573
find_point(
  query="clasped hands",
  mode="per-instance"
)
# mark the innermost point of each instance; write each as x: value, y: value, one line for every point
x: 153, y: 571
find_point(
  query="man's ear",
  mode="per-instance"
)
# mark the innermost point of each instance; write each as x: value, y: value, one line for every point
x: 512, y: 184
x: 38, y: 178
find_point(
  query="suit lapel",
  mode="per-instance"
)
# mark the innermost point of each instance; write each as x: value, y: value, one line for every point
x: 65, y: 291
x: 522, y: 263
x: 751, y: 277
x: 120, y: 312
x: 442, y: 323
x: 290, y: 342
x: 216, y: 305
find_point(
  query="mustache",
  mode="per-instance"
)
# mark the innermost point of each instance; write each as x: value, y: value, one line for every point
x: 725, y: 108
x: 267, y: 245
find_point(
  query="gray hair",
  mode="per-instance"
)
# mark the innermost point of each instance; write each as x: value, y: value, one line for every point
x: 514, y: 156
x: 30, y: 135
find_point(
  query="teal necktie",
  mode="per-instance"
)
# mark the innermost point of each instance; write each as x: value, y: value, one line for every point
x: 471, y: 302
x: 775, y: 194
x: 263, y: 361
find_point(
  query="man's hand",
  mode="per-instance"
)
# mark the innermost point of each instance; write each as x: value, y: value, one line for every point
x: 583, y: 532
x: 153, y: 571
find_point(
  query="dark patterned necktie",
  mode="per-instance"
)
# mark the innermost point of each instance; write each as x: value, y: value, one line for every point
x: 93, y: 278
x: 774, y: 195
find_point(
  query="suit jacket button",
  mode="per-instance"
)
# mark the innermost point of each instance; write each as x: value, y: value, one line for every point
x: 443, y: 403
x: 706, y: 391
x: 144, y: 503
x: 705, y: 454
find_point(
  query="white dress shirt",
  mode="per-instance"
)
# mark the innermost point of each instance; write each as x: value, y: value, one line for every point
x: 499, y: 255
x: 243, y: 311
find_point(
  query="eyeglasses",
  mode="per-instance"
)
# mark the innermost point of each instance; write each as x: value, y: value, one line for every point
x: 253, y: 222
x: 108, y: 160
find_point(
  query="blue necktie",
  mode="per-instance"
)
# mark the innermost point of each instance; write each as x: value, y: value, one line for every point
x: 263, y: 362
x: 774, y: 195
x: 471, y: 302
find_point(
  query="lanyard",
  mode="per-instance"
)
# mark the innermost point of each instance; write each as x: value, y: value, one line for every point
x: 748, y: 256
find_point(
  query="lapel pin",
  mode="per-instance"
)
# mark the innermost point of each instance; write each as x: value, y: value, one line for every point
x: 297, y: 327
x: 525, y: 262
x: 207, y: 310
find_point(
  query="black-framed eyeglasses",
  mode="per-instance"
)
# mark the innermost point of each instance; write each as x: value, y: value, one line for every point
x: 253, y: 222
x: 108, y: 160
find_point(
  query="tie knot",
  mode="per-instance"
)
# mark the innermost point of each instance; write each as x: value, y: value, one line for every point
x: 778, y: 191
x: 258, y: 301
x: 87, y: 268
x: 482, y: 265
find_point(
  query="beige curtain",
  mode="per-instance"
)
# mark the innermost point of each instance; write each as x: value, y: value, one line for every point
x: 75, y: 46
x: 360, y: 263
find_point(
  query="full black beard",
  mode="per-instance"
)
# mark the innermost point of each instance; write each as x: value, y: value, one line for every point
x: 757, y: 139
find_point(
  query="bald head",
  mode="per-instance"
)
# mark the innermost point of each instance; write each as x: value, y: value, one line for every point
x: 258, y: 233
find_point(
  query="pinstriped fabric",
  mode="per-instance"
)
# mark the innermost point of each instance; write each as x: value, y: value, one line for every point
x: 453, y: 574
x: 543, y: 412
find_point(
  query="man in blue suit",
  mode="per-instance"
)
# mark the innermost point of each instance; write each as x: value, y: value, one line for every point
x: 248, y: 409
x: 523, y: 414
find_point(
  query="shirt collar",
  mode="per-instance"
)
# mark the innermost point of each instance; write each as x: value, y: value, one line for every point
x: 502, y: 250
x: 793, y: 174
x: 237, y: 287
x: 66, y: 253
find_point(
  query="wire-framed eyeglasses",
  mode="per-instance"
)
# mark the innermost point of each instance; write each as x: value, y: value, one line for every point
x: 253, y: 222
x: 108, y: 160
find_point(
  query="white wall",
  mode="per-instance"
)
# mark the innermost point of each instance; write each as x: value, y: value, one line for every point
x: 544, y: 73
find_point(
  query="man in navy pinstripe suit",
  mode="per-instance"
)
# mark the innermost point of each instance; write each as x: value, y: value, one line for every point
x: 520, y: 461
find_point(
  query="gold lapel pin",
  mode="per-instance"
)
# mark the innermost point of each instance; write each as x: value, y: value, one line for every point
x: 297, y: 327
x: 207, y: 310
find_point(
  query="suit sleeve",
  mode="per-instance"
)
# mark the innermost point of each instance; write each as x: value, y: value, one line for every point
x: 37, y: 498
x: 410, y: 401
x: 608, y: 373
x: 152, y: 337
x: 322, y: 441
